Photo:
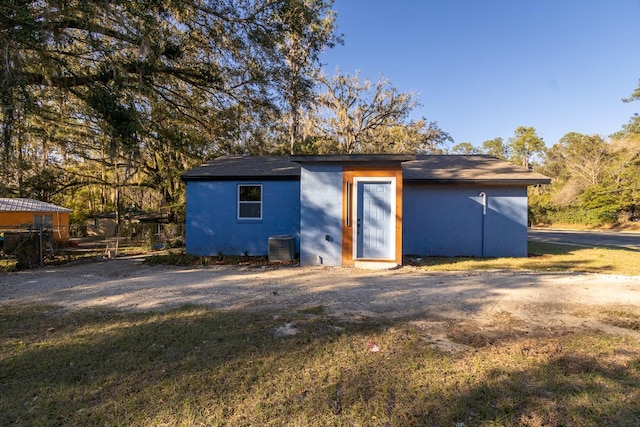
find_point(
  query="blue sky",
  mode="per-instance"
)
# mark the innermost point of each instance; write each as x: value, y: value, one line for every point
x: 484, y: 67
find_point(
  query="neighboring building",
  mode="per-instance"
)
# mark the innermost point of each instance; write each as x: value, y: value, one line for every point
x: 29, y: 214
x: 105, y: 224
x: 345, y: 209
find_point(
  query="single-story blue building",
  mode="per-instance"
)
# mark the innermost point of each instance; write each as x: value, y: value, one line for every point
x: 345, y: 209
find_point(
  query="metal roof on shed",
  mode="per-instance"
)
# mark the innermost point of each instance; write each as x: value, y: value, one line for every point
x: 29, y: 205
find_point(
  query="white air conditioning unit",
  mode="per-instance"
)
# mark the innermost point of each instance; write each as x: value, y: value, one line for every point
x: 282, y: 248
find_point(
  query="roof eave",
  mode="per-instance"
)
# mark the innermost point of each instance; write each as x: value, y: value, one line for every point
x: 353, y: 158
x: 188, y: 178
x: 511, y: 182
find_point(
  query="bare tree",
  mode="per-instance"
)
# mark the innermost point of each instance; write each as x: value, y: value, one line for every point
x: 358, y: 116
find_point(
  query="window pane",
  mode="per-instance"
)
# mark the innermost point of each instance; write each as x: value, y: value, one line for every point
x: 250, y: 210
x: 250, y: 193
x: 44, y: 221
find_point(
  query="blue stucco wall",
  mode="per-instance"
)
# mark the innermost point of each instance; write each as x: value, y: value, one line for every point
x: 321, y: 215
x: 212, y: 226
x: 447, y: 220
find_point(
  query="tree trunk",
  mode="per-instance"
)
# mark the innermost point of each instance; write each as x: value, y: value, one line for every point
x: 293, y: 128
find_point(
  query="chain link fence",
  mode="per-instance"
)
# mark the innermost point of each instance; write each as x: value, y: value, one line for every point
x: 33, y: 246
x: 29, y: 245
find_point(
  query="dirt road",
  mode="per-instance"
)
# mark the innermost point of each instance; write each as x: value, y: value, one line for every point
x: 537, y: 300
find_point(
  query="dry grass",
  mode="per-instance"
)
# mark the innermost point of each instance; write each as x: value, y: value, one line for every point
x: 546, y: 257
x: 195, y: 366
x: 7, y: 265
x: 621, y: 226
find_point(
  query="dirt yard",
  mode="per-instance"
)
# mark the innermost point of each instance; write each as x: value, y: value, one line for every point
x: 478, y: 305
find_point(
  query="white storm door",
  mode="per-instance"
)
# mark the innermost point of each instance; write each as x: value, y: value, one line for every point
x: 375, y: 222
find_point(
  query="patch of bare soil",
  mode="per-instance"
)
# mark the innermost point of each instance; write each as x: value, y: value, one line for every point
x: 453, y: 310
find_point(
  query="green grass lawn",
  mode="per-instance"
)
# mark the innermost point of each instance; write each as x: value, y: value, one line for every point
x: 195, y: 366
x: 546, y: 257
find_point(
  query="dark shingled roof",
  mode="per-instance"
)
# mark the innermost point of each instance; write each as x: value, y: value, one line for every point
x: 468, y: 169
x: 353, y: 158
x: 450, y: 169
x: 228, y: 168
x: 29, y: 205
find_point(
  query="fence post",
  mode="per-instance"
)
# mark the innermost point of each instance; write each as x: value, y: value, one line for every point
x: 41, y: 252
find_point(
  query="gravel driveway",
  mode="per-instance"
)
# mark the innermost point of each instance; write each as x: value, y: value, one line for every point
x: 541, y: 299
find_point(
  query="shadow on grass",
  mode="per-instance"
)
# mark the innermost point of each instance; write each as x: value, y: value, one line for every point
x: 542, y: 257
x: 198, y: 366
x: 537, y: 249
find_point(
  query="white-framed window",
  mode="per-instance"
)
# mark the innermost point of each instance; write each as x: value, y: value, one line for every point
x: 249, y: 201
x: 43, y: 221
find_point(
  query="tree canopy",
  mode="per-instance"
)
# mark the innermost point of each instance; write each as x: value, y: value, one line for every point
x: 103, y: 104
x: 131, y: 93
x: 352, y: 115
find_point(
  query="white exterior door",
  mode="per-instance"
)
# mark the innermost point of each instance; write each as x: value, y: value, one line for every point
x: 375, y: 222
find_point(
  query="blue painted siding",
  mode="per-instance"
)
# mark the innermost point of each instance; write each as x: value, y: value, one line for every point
x: 441, y: 220
x: 447, y: 220
x: 212, y: 226
x: 321, y: 215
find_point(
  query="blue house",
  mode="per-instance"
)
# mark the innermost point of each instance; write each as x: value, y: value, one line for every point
x: 348, y: 209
